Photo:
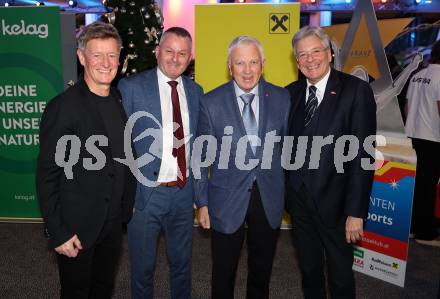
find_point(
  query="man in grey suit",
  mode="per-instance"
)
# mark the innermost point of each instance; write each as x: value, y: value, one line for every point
x: 169, y: 103
x: 243, y: 187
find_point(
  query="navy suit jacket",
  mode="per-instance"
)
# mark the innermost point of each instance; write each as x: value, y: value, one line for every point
x: 227, y: 191
x: 348, y: 108
x: 141, y: 93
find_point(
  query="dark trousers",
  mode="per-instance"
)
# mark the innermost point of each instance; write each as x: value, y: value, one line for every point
x: 427, y: 176
x: 92, y: 272
x: 317, y: 246
x: 261, y: 242
x: 438, y: 295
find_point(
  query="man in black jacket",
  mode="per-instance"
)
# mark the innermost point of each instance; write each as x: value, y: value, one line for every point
x: 84, y: 194
x: 329, y: 195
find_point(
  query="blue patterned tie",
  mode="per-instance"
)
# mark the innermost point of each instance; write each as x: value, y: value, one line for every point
x: 312, y: 103
x: 249, y: 121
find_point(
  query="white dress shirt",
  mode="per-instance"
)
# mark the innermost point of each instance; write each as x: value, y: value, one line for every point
x: 168, y: 167
x: 255, y: 102
x: 320, y: 88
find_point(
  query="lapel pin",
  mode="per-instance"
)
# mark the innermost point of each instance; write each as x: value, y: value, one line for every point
x: 266, y: 94
x: 332, y: 92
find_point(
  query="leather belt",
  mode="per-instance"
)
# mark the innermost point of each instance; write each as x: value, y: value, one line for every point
x: 168, y: 184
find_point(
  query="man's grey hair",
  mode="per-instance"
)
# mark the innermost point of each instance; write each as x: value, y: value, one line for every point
x: 307, y: 31
x: 98, y: 30
x: 245, y: 40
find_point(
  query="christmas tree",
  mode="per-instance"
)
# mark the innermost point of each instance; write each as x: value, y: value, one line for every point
x: 140, y: 24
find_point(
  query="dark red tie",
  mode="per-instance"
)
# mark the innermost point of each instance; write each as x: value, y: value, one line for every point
x: 178, y: 151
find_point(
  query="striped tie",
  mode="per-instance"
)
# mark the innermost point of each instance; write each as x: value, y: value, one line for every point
x: 312, y: 103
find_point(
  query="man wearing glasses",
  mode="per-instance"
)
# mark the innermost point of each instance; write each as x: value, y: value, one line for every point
x: 328, y: 206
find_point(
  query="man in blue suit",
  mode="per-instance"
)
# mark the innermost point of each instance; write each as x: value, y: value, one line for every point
x: 246, y: 184
x: 172, y: 103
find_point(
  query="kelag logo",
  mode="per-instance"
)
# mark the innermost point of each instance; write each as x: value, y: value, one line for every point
x: 358, y: 252
x: 358, y: 259
x: 40, y: 30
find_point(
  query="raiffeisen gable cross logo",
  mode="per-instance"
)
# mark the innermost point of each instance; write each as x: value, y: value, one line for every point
x: 21, y: 28
x: 279, y: 23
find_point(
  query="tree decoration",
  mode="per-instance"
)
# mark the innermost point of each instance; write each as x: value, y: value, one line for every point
x: 140, y: 24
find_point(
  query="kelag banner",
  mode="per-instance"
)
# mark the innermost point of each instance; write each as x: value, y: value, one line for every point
x: 383, y: 251
x: 30, y: 75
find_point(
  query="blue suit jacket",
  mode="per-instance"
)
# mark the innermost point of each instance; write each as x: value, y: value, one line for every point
x: 141, y: 93
x: 227, y: 191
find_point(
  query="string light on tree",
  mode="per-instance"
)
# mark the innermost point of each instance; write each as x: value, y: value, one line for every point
x: 140, y: 24
x: 72, y: 3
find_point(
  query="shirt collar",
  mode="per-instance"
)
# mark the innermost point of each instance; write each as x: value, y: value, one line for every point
x: 239, y: 91
x: 321, y: 84
x: 83, y: 84
x: 163, y: 79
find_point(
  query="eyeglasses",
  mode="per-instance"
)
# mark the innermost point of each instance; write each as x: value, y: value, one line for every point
x: 315, y: 53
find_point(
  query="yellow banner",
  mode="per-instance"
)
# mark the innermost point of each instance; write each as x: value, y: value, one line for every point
x: 272, y: 24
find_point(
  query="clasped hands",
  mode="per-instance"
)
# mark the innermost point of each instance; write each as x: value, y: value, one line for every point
x: 70, y: 248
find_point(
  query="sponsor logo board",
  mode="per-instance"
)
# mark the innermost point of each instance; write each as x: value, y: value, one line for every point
x: 384, y: 267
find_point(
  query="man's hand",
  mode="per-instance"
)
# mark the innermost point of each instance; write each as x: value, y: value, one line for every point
x: 70, y: 248
x: 203, y: 217
x: 354, y: 230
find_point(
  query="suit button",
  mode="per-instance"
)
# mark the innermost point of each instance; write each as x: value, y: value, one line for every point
x: 155, y: 173
x: 112, y: 175
x: 106, y: 199
x: 46, y: 233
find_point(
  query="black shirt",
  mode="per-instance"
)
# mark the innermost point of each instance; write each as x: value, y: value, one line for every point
x: 111, y: 111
